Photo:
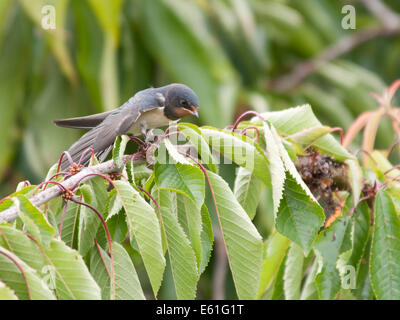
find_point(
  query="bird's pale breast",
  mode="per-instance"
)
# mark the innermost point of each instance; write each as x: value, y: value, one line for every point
x: 153, y: 119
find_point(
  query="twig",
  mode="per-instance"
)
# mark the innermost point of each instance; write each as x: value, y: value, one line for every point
x: 387, y: 16
x: 390, y: 26
x: 342, y: 46
x: 85, y: 174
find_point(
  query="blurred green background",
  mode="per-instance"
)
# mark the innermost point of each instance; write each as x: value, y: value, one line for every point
x: 229, y: 51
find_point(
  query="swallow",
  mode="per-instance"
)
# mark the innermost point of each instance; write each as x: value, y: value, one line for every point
x: 147, y: 109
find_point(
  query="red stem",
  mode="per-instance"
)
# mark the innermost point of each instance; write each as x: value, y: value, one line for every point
x: 52, y: 182
x: 62, y: 218
x: 169, y: 128
x: 108, y: 238
x: 391, y: 169
x: 4, y: 199
x: 84, y: 152
x: 341, y: 133
x: 21, y: 270
x: 208, y: 181
x: 171, y: 133
x: 137, y: 140
x: 244, y: 115
x: 65, y: 153
x: 358, y: 202
x: 45, y: 183
x: 94, y: 174
x: 101, y: 257
x: 150, y: 196
x: 255, y: 129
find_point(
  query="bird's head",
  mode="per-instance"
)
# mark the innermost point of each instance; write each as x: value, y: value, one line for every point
x: 180, y: 101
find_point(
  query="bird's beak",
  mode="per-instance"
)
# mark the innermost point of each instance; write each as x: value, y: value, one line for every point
x: 195, y: 111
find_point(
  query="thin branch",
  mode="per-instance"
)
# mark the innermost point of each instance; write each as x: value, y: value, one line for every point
x: 85, y: 174
x: 390, y: 26
x: 387, y: 16
x: 344, y: 45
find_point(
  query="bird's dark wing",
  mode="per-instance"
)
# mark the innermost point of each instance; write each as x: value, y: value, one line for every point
x: 101, y: 138
x: 109, y: 125
x: 87, y: 122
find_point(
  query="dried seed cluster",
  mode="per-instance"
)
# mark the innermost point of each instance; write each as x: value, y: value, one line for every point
x: 67, y: 194
x: 319, y: 172
x: 74, y: 168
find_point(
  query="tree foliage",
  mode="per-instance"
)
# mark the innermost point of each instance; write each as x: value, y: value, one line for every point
x: 296, y: 214
x: 89, y: 245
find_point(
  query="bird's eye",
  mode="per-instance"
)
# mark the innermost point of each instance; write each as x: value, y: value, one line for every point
x: 184, y: 103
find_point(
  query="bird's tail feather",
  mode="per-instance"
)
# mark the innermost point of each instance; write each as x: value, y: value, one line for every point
x: 79, y: 147
x: 87, y: 122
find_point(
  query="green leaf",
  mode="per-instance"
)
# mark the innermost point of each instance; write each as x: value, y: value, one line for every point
x: 54, y: 211
x: 193, y: 134
x: 144, y: 226
x: 293, y: 272
x: 114, y: 204
x: 207, y: 238
x: 298, y: 218
x: 89, y: 222
x: 181, y: 254
x: 385, y: 250
x: 247, y: 190
x: 278, y: 292
x: 328, y: 246
x: 243, y: 242
x: 364, y: 289
x: 310, y: 135
x: 130, y: 172
x: 73, y: 279
x: 288, y: 163
x: 189, y: 217
x: 275, y: 250
x: 294, y: 120
x: 5, y: 204
x: 70, y: 229
x: 99, y: 187
x: 127, y: 285
x: 355, y: 178
x: 141, y: 173
x: 360, y: 233
x: 26, y: 249
x: 176, y: 156
x: 117, y: 226
x: 102, y: 276
x: 309, y: 291
x: 6, y: 293
x: 12, y: 277
x: 240, y: 149
x: 119, y: 150
x: 276, y: 155
x: 182, y: 178
x: 35, y: 221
